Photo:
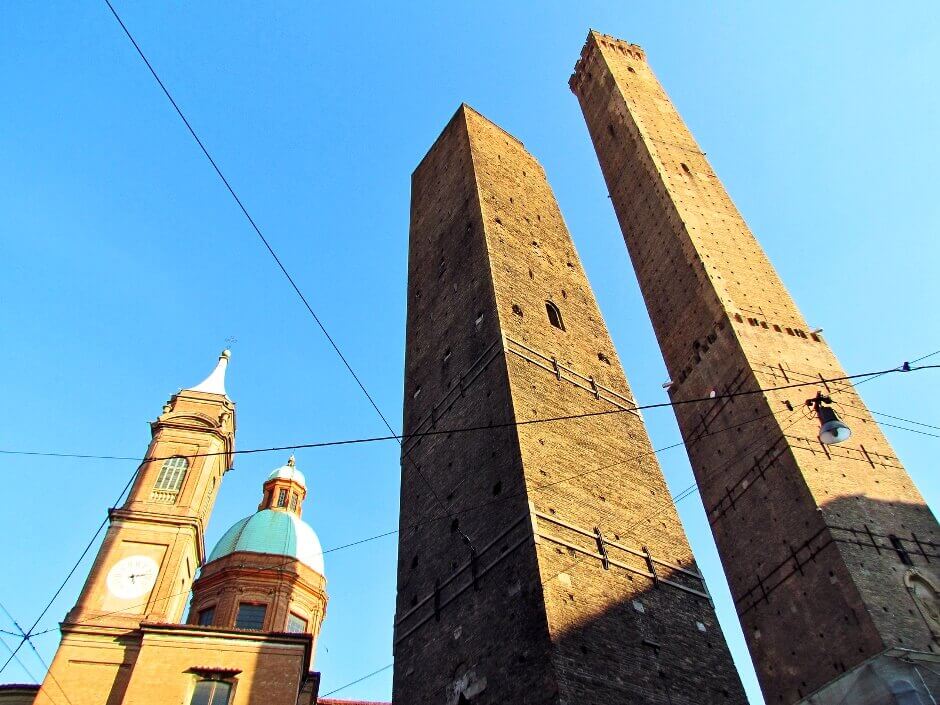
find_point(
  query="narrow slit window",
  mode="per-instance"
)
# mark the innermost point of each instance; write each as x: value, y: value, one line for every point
x: 554, y: 315
x: 899, y: 548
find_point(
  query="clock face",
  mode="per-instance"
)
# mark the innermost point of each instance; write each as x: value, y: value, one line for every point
x: 132, y: 577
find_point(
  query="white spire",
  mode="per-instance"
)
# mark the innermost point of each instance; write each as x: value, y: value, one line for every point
x: 215, y: 382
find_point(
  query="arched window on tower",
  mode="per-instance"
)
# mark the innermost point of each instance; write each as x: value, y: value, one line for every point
x: 170, y: 480
x: 554, y: 315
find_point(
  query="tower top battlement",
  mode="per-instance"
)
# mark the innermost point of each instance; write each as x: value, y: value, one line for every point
x: 593, y: 45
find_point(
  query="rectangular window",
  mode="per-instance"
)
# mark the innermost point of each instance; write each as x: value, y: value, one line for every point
x: 293, y: 501
x: 296, y: 625
x: 172, y: 473
x: 209, y: 692
x: 207, y: 617
x: 250, y: 616
x: 282, y: 498
x: 170, y: 480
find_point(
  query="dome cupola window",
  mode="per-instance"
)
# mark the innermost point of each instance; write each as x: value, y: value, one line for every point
x: 296, y: 624
x: 207, y: 617
x: 285, y: 489
x: 250, y: 616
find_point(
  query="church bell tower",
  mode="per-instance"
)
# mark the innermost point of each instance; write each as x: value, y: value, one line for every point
x: 147, y: 562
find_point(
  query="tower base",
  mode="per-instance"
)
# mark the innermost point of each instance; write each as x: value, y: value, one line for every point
x: 893, y: 677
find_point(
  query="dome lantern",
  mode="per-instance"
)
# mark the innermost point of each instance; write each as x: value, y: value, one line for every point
x: 285, y: 489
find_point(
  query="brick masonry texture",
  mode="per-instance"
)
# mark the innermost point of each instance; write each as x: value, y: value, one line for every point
x: 535, y: 611
x: 828, y: 550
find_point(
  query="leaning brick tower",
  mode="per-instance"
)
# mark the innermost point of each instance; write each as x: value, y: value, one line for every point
x: 539, y: 562
x: 829, y: 550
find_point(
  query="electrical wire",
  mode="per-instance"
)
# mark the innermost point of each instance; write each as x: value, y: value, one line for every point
x: 900, y: 418
x: 270, y: 249
x: 469, y: 429
x: 48, y: 671
x: 18, y: 660
x: 911, y: 362
x: 13, y: 655
x: 690, y: 490
x: 358, y: 680
x: 29, y: 633
x: 26, y: 636
x: 469, y: 510
x: 687, y: 492
x: 894, y: 425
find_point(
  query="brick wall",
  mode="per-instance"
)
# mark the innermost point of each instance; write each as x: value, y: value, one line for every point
x: 804, y: 531
x: 548, y: 619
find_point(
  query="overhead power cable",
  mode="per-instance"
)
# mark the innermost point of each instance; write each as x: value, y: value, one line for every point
x: 29, y: 633
x: 358, y: 680
x: 482, y: 428
x: 26, y: 638
x: 685, y: 493
x: 909, y: 363
x: 244, y: 210
x: 469, y: 510
x: 674, y: 500
x: 469, y: 429
x: 904, y: 368
x: 476, y: 508
x: 894, y: 425
x: 271, y: 251
x: 900, y: 418
x: 18, y: 660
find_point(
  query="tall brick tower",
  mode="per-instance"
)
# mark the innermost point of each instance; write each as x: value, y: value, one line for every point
x: 828, y: 550
x: 541, y: 562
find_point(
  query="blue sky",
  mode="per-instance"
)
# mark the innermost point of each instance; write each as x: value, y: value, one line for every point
x: 125, y: 265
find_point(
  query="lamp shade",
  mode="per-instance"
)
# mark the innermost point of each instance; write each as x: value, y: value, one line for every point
x: 831, y: 430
